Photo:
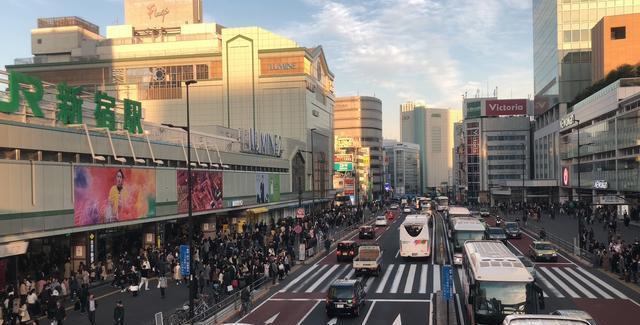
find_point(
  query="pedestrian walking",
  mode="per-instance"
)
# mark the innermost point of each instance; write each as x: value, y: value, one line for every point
x: 92, y: 306
x: 162, y: 284
x: 144, y: 274
x: 176, y: 274
x: 61, y: 314
x: 118, y: 313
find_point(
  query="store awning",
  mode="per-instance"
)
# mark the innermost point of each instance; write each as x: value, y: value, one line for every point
x: 258, y: 210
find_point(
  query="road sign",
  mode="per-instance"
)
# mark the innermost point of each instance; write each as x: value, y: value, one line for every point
x: 185, y: 257
x: 342, y: 166
x: 447, y: 281
x: 300, y: 213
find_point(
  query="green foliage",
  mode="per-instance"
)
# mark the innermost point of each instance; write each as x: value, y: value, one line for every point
x: 623, y: 71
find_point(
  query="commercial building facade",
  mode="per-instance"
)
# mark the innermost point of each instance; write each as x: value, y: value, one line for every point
x: 615, y: 40
x: 432, y: 130
x: 359, y: 118
x: 402, y: 167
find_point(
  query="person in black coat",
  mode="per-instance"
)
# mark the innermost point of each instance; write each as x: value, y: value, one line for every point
x: 61, y: 313
x: 118, y: 313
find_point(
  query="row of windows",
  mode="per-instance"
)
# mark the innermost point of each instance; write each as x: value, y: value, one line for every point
x: 505, y: 157
x: 503, y: 167
x: 506, y: 176
x: 505, y: 137
x: 510, y: 147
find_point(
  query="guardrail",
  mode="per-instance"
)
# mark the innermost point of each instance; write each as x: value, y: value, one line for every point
x: 569, y: 247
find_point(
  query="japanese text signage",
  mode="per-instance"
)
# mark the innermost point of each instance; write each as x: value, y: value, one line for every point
x: 344, y: 142
x: 447, y: 281
x: 339, y: 157
x: 185, y: 258
x: 343, y: 166
x: 69, y: 104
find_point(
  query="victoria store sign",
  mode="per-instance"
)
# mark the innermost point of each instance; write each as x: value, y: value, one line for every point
x: 506, y: 107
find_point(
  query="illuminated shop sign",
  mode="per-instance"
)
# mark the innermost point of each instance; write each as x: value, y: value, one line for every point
x: 567, y: 121
x: 600, y: 184
x: 565, y: 176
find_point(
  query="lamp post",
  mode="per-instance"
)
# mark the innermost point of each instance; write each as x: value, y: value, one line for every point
x: 524, y: 146
x: 313, y: 175
x: 189, y: 198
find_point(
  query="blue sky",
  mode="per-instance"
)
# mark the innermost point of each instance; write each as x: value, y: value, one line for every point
x: 397, y: 50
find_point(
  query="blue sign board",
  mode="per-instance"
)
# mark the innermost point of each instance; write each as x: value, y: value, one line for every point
x: 185, y: 258
x: 447, y: 281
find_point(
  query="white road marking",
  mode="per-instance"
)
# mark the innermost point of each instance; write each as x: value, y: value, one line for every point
x: 398, y: 252
x: 298, y: 288
x: 459, y: 309
x: 299, y: 277
x: 380, y: 300
x: 408, y: 285
x: 397, y: 321
x: 368, y: 284
x: 366, y: 318
x: 321, y: 279
x: 308, y: 312
x: 272, y: 319
x: 575, y: 283
x: 336, y: 276
x: 423, y: 278
x: 587, y: 282
x: 396, y: 279
x: 549, y: 286
x: 350, y: 274
x: 431, y: 310
x: 436, y: 278
x: 433, y: 238
x: 385, y: 278
x: 602, y: 283
x: 553, y: 277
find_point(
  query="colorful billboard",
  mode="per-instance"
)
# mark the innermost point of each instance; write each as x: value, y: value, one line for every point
x: 497, y: 107
x: 206, y: 192
x: 274, y: 188
x: 111, y: 194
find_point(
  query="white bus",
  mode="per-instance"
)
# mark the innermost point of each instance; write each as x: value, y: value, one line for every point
x: 455, y: 212
x: 464, y: 228
x: 443, y: 203
x: 414, y: 236
x: 496, y: 283
x: 543, y: 320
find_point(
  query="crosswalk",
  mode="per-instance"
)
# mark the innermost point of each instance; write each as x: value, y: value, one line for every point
x: 394, y: 279
x: 574, y: 282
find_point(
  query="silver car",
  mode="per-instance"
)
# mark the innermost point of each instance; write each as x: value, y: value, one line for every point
x: 575, y: 313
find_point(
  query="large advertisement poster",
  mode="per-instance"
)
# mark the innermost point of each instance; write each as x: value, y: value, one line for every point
x: 274, y: 188
x: 206, y: 192
x: 262, y: 188
x: 111, y: 194
x: 498, y: 107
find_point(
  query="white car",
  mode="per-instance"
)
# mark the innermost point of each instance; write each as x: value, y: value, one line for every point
x: 575, y: 313
x: 381, y: 221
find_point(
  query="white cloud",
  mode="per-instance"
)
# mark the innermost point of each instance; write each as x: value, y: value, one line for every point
x: 416, y: 49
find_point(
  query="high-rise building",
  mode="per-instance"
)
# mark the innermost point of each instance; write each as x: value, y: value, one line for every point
x: 615, y: 40
x: 360, y: 118
x: 562, y: 46
x: 403, y: 171
x: 248, y: 78
x: 432, y: 130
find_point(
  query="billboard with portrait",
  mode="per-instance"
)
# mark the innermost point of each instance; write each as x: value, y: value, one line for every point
x: 206, y: 192
x: 262, y: 188
x: 112, y: 194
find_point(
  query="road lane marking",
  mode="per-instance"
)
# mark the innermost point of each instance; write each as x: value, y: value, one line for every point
x: 398, y: 252
x: 338, y: 274
x: 436, y: 278
x: 588, y: 283
x: 431, y: 310
x: 396, y: 279
x: 423, y: 278
x: 321, y: 279
x: 372, y: 300
x: 350, y: 274
x: 308, y: 312
x: 385, y: 278
x: 602, y: 283
x: 304, y: 283
x: 408, y: 285
x: 366, y: 318
x: 368, y: 284
x: 544, y: 281
x: 553, y: 277
x: 575, y: 283
x: 298, y: 278
x: 461, y: 318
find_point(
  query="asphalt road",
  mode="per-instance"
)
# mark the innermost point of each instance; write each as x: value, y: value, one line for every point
x: 400, y: 295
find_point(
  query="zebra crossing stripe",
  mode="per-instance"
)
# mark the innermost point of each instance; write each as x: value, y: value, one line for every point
x: 350, y: 274
x: 602, y: 283
x: 368, y: 284
x: 585, y: 281
x: 299, y: 277
x: 575, y: 283
x: 322, y: 278
x: 436, y: 278
x: 409, y: 283
x: 385, y: 278
x: 299, y: 287
x: 423, y: 278
x: 549, y: 286
x: 553, y: 277
x: 396, y: 279
x: 325, y: 287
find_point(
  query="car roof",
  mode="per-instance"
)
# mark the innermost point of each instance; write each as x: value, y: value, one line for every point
x: 344, y: 282
x: 511, y: 223
x: 573, y: 312
x: 347, y: 242
x: 494, y: 228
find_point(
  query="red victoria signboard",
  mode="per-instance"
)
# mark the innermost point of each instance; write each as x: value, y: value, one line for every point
x: 497, y: 107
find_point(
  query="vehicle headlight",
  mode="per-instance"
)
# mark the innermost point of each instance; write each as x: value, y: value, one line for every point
x: 554, y: 254
x: 539, y: 254
x: 349, y: 301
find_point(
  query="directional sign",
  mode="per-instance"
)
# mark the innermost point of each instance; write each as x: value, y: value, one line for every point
x: 272, y: 319
x: 447, y: 281
x: 185, y: 257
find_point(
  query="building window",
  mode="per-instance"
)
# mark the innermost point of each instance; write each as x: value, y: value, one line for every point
x: 618, y: 32
x: 202, y: 72
x: 39, y: 41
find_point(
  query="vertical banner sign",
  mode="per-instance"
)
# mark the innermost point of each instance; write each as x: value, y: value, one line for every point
x: 446, y: 281
x: 185, y: 257
x: 262, y: 188
x: 274, y: 188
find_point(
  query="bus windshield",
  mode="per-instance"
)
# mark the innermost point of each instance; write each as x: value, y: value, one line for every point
x: 462, y: 236
x: 413, y: 230
x: 501, y: 298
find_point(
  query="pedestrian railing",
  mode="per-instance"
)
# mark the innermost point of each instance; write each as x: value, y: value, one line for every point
x: 563, y: 244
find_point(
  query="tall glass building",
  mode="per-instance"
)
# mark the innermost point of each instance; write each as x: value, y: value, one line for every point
x: 562, y: 45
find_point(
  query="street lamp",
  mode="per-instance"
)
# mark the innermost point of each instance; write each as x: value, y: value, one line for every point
x: 313, y: 175
x: 524, y: 146
x: 187, y: 128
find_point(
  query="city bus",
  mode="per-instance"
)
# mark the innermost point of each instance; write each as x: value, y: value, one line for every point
x: 496, y: 283
x: 464, y: 228
x: 443, y: 203
x: 414, y: 236
x: 455, y: 212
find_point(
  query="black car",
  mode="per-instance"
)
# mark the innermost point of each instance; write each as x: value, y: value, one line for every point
x: 345, y: 297
x: 366, y: 232
x: 512, y: 229
x: 495, y: 233
x: 346, y: 250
